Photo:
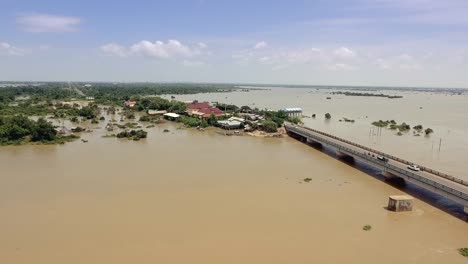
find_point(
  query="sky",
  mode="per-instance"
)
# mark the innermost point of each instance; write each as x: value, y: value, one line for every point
x: 420, y: 43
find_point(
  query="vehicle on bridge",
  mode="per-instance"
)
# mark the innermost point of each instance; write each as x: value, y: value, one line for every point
x: 414, y: 167
x: 382, y: 158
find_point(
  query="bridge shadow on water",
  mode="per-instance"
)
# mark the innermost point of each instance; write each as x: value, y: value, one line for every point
x: 422, y: 194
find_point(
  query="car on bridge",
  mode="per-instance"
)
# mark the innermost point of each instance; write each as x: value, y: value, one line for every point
x: 382, y: 158
x: 414, y: 167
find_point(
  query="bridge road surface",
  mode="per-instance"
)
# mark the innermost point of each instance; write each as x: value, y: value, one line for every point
x: 450, y: 189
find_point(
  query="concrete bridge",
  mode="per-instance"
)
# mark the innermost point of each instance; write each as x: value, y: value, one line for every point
x: 432, y: 180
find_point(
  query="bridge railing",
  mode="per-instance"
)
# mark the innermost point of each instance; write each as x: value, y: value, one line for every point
x: 414, y: 176
x: 440, y: 174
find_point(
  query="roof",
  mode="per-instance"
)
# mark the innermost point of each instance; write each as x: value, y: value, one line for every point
x: 197, y: 105
x: 238, y: 119
x: 292, y: 109
x: 401, y: 197
x: 211, y: 110
x: 156, y: 112
x: 229, y: 123
x: 173, y: 115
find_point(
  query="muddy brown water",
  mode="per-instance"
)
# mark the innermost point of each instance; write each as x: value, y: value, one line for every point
x: 198, y: 197
x: 445, y: 114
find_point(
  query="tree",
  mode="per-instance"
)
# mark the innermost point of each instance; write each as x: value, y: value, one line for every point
x: 327, y: 116
x: 428, y: 131
x: 270, y: 126
x: 212, y: 120
x: 43, y: 131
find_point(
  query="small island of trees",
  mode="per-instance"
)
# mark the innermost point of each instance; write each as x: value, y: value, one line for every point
x: 403, y: 127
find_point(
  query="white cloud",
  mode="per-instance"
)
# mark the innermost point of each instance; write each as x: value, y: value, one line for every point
x: 202, y: 45
x: 403, y: 62
x: 113, y: 49
x: 344, y: 52
x: 261, y: 45
x: 40, y: 23
x: 341, y: 67
x: 158, y: 49
x: 7, y: 49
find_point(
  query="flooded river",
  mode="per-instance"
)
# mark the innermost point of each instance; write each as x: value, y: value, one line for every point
x: 447, y: 115
x: 189, y: 196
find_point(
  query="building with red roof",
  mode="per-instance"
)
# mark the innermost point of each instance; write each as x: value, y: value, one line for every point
x: 203, y: 109
x: 130, y: 103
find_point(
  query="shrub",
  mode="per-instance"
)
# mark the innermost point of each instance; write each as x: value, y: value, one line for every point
x: 428, y: 131
x: 463, y: 251
x: 367, y: 227
x: 270, y: 126
x: 145, y: 118
x: 327, y: 116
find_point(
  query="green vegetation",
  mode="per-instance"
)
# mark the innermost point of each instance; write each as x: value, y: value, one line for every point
x: 463, y: 251
x: 294, y: 120
x: 348, y: 120
x: 133, y: 134
x: 367, y: 227
x: 428, y: 131
x: 20, y: 129
x: 327, y: 116
x: 403, y: 127
x: 228, y: 107
x: 269, y: 126
x: 145, y: 118
x: 157, y: 103
x: 307, y: 179
x: 368, y: 94
x: 89, y: 112
x: 190, y: 121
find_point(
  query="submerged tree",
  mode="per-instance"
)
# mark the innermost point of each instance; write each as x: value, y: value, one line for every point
x: 428, y: 131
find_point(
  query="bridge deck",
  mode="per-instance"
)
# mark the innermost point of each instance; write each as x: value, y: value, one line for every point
x: 442, y: 182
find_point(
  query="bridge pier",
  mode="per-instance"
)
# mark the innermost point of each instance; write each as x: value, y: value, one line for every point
x: 465, y: 209
x: 345, y: 156
x: 388, y: 175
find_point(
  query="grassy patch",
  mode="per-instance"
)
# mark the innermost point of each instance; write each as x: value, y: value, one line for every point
x: 463, y: 251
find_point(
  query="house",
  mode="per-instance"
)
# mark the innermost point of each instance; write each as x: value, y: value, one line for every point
x: 130, y: 103
x: 203, y: 110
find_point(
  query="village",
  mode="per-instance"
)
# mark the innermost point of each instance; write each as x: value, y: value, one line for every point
x: 236, y: 120
x: 130, y: 118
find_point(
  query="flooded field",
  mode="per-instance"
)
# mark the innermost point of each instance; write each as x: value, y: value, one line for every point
x: 189, y: 196
x: 445, y: 114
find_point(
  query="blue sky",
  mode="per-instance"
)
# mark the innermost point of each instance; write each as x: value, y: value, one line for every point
x: 347, y: 42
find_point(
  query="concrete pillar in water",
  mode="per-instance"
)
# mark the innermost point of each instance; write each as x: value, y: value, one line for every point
x: 388, y: 175
x: 465, y: 209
